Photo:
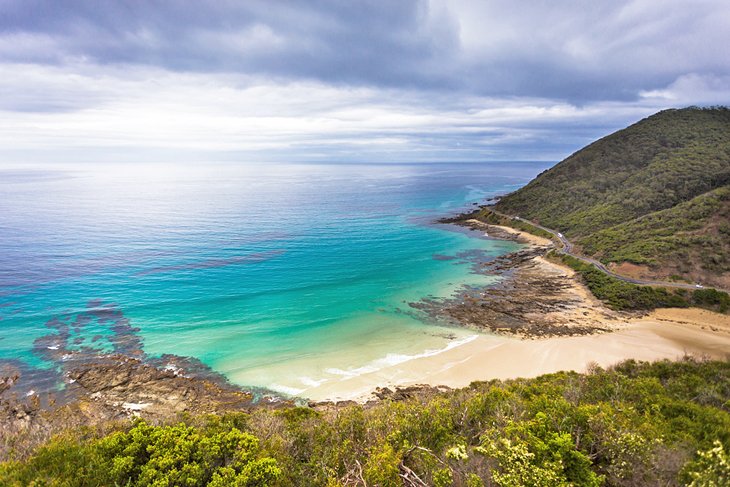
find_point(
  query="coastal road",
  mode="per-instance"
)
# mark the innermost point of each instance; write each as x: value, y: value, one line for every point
x: 568, y: 250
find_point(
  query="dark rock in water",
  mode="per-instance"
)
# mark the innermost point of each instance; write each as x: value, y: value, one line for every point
x: 131, y: 386
x: 7, y: 381
x: 19, y: 381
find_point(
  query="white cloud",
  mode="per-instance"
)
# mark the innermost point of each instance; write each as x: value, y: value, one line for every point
x: 693, y: 88
x: 135, y: 111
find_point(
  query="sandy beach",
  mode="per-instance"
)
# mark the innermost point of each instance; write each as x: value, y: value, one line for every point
x: 501, y: 230
x: 563, y: 327
x: 664, y: 334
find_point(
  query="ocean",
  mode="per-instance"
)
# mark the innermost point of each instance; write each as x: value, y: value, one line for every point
x: 278, y: 276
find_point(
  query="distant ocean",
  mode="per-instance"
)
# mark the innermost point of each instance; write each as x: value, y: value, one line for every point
x: 282, y: 276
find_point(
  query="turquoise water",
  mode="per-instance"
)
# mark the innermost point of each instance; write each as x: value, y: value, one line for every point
x: 278, y: 276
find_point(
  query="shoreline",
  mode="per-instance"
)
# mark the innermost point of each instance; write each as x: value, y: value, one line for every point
x: 538, y: 319
x: 534, y: 297
x: 667, y: 333
x: 590, y: 334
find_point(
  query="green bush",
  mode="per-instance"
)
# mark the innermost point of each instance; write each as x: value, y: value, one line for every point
x: 634, y: 424
x: 151, y: 456
x: 711, y: 298
x: 710, y: 469
x: 622, y: 295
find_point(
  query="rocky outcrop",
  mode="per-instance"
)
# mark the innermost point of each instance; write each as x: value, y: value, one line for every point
x: 532, y: 299
x: 131, y: 386
x: 95, y: 380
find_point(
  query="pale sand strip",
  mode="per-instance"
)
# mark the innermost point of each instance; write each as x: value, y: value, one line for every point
x: 530, y: 238
x: 705, y: 320
x: 526, y: 237
x: 492, y: 357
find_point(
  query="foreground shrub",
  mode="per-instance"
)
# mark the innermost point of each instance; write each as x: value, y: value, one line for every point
x: 664, y: 423
x: 711, y: 469
x: 147, y: 455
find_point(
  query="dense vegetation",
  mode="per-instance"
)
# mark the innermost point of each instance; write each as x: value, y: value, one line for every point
x: 672, y: 235
x: 666, y: 423
x: 622, y: 295
x: 655, y: 194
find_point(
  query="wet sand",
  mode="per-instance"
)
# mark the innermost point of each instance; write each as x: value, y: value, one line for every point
x: 664, y: 334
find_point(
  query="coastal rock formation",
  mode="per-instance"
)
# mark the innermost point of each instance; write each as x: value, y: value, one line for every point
x: 128, y: 385
x: 534, y: 298
x: 88, y: 386
x: 110, y: 388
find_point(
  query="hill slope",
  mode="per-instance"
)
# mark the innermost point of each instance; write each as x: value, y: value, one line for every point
x: 652, y: 199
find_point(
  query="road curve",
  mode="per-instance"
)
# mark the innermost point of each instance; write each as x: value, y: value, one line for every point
x: 568, y: 250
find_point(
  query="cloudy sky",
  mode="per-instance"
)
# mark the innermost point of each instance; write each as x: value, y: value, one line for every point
x: 340, y: 80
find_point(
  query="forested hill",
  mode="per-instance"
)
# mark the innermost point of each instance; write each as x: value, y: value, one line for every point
x: 653, y: 198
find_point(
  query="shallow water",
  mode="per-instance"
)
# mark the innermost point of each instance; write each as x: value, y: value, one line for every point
x: 278, y: 276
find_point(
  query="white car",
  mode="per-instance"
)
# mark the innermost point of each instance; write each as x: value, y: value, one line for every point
x: 699, y: 286
x: 560, y: 235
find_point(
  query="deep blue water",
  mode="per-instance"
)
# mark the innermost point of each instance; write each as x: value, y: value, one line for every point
x: 279, y: 276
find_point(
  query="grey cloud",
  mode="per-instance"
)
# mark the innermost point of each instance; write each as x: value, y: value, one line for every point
x: 571, y: 50
x: 350, y: 42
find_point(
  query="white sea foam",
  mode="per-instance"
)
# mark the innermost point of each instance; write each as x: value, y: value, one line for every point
x: 392, y: 359
x: 308, y: 381
x: 292, y: 391
x: 172, y: 368
x: 52, y: 347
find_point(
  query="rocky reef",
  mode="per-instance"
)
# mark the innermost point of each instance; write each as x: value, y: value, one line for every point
x: 533, y: 298
x: 95, y: 378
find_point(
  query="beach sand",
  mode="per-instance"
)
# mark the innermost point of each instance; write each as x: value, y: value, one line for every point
x: 525, y: 237
x: 520, y: 236
x: 570, y: 331
x: 663, y: 334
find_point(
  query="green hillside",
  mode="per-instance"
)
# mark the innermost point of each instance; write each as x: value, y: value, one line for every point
x: 656, y: 194
x: 696, y: 232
